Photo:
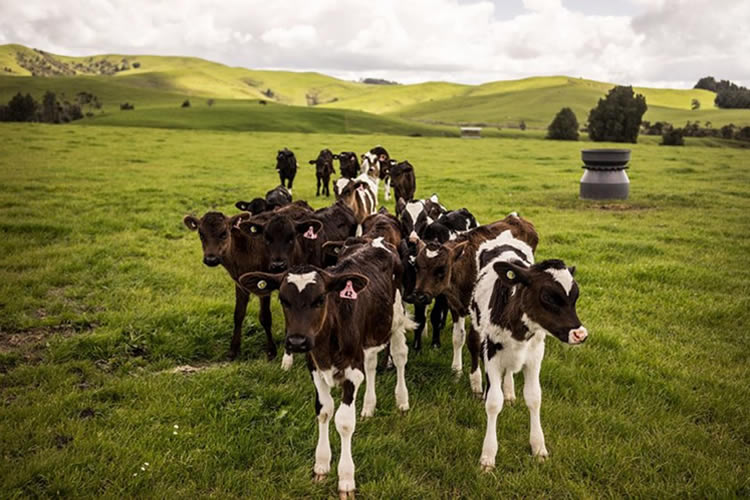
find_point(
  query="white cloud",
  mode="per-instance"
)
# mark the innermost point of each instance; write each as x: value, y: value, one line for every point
x: 669, y: 41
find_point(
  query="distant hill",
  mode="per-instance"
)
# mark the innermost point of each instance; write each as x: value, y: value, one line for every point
x: 165, y: 81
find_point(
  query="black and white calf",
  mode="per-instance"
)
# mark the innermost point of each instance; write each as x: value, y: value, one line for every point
x: 515, y: 305
x: 342, y: 317
x: 286, y: 164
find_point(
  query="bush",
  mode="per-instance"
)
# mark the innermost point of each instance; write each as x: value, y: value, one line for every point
x: 210, y: 102
x: 673, y: 137
x: 136, y: 65
x: 564, y: 126
x: 733, y: 99
x: 727, y: 131
x: 522, y: 125
x: 743, y: 134
x: 186, y: 103
x: 617, y: 117
x: 126, y: 106
x: 695, y: 104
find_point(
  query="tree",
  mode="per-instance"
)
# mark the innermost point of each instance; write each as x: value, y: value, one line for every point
x: 210, y: 102
x: 695, y: 104
x: 522, y: 125
x: 564, y: 126
x: 617, y: 117
x: 21, y: 109
x: 672, y: 137
x: 186, y: 103
x: 50, y: 109
x: 727, y: 131
x: 706, y: 83
x: 737, y: 98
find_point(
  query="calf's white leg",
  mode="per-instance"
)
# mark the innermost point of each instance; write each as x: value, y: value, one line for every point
x: 459, y: 337
x: 400, y: 354
x: 493, y: 405
x: 388, y: 189
x: 346, y: 420
x: 323, y: 449
x: 286, y: 361
x: 371, y: 365
x: 509, y: 389
x: 532, y: 393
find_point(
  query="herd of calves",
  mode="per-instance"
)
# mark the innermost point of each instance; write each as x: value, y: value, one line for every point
x: 343, y: 272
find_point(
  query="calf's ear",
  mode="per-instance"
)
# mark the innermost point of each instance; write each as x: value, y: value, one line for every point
x: 251, y: 228
x: 572, y: 270
x: 338, y: 282
x: 511, y: 274
x: 191, y: 222
x: 309, y: 228
x: 457, y: 250
x: 332, y: 248
x: 311, y: 162
x: 335, y: 157
x: 243, y: 205
x: 261, y: 283
x: 235, y: 220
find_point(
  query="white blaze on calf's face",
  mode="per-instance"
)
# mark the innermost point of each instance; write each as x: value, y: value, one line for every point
x: 301, y: 280
x: 563, y: 277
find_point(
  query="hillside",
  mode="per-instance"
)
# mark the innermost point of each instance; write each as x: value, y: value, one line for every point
x: 165, y: 81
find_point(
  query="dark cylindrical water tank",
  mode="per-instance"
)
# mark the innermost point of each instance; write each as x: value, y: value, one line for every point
x: 604, y: 174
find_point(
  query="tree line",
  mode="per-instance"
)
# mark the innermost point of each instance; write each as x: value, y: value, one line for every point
x: 729, y: 95
x: 24, y: 108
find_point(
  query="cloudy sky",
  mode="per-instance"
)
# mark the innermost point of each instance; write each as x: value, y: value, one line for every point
x: 646, y: 42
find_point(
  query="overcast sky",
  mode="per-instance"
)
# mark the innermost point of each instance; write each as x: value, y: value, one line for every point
x: 645, y: 42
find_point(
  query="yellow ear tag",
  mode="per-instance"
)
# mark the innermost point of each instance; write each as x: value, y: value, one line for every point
x: 262, y: 284
x: 510, y: 275
x: 253, y: 229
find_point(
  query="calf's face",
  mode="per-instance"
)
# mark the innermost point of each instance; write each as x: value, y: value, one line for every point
x: 215, y: 231
x: 548, y: 296
x: 307, y: 297
x: 280, y: 237
x: 434, y: 268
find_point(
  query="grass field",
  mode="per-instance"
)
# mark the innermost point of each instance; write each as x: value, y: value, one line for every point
x: 103, y: 294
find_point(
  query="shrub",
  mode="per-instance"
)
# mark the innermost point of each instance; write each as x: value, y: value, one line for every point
x: 673, y: 137
x: 126, y: 106
x: 21, y: 109
x: 136, y: 65
x: 564, y: 126
x: 695, y: 104
x: 617, y: 117
x: 210, y: 102
x: 186, y: 103
x: 727, y: 131
x: 522, y: 125
x: 743, y: 134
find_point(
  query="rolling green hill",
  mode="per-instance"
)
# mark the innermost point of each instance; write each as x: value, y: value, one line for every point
x: 163, y: 82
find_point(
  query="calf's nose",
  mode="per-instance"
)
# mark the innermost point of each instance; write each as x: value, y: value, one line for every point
x: 578, y: 335
x: 278, y: 266
x: 211, y: 261
x: 297, y: 343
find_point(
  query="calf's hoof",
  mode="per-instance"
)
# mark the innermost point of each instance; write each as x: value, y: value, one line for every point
x: 417, y: 346
x: 271, y: 354
x: 367, y: 413
x: 510, y: 401
x: 232, y: 354
x: 319, y: 478
x: 344, y: 495
x: 541, y: 454
x: 404, y: 408
x: 487, y: 464
x: 436, y: 345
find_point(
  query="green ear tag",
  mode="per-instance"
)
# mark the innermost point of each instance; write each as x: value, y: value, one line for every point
x: 261, y: 285
x: 510, y: 275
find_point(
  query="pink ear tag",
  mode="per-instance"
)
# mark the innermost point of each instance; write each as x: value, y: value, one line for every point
x: 310, y: 234
x: 348, y: 292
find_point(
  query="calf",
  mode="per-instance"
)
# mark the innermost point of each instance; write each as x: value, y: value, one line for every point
x: 451, y: 268
x: 342, y: 317
x: 403, y: 181
x: 275, y: 198
x: 515, y: 306
x: 372, y: 162
x: 381, y: 226
x: 447, y: 227
x: 361, y: 200
x: 223, y: 243
x: 349, y: 164
x: 416, y: 215
x: 286, y: 164
x: 323, y: 170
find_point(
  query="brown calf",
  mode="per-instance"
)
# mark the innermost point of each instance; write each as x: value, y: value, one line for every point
x: 342, y: 317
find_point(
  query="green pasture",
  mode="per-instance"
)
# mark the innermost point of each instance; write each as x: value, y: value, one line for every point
x: 103, y: 294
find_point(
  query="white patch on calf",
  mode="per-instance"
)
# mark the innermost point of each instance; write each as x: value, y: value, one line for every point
x: 563, y: 277
x: 301, y: 280
x: 378, y: 243
x: 431, y: 254
x: 414, y: 208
